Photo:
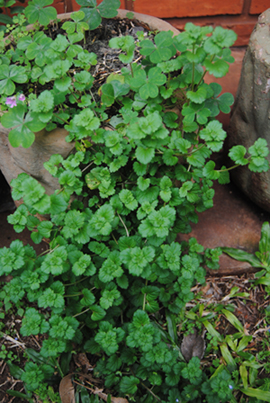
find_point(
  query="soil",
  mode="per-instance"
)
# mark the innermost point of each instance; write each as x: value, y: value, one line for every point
x: 97, y: 41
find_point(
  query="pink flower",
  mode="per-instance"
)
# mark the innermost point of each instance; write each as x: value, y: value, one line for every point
x: 11, y: 101
x: 21, y: 97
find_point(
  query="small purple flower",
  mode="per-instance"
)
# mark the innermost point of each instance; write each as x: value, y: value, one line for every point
x: 230, y: 387
x: 177, y: 400
x: 11, y: 101
x: 21, y: 97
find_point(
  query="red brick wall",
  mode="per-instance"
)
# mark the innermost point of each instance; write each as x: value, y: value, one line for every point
x: 258, y: 6
x: 187, y: 8
x: 239, y: 15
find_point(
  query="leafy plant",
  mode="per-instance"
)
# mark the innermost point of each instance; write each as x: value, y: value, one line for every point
x: 114, y: 282
x: 261, y: 258
x: 7, y: 11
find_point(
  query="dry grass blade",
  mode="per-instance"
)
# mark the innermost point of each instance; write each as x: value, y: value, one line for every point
x: 82, y: 361
x: 66, y: 390
x: 102, y: 395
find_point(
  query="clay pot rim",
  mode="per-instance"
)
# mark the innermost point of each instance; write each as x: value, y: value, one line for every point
x: 154, y: 23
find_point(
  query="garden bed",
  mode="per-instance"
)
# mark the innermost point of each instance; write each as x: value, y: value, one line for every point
x: 219, y: 289
x: 114, y: 283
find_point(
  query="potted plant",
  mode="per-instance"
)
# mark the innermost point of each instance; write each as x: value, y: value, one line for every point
x: 114, y: 282
x: 47, y: 142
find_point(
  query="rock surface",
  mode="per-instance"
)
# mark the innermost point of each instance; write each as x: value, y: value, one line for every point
x: 234, y: 221
x: 251, y: 112
x: 14, y: 161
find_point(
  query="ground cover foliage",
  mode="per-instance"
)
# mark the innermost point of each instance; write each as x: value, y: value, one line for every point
x: 114, y: 284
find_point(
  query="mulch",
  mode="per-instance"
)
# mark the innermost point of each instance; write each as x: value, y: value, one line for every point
x: 250, y: 310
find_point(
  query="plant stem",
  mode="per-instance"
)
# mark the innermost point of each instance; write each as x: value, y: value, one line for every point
x: 123, y: 224
x: 144, y: 297
x: 229, y: 169
x: 58, y: 117
x: 59, y: 368
x: 144, y: 301
x: 202, y: 77
x: 114, y: 239
x: 76, y: 282
x: 88, y: 166
x: 131, y: 69
x: 150, y: 391
x: 80, y: 313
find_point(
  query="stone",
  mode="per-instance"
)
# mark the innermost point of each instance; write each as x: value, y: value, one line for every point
x: 251, y: 115
x: 14, y: 161
x: 6, y: 202
x: 235, y: 222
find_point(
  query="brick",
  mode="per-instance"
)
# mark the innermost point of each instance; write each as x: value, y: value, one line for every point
x: 234, y: 222
x: 230, y: 82
x: 259, y: 6
x: 188, y: 8
x: 60, y: 6
x: 76, y: 6
x: 243, y: 32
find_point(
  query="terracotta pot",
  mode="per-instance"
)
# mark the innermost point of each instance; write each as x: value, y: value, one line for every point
x: 14, y: 161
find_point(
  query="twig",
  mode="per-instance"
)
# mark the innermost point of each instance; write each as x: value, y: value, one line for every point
x: 8, y: 380
x: 267, y: 329
x: 35, y: 341
x: 4, y: 366
x: 15, y: 342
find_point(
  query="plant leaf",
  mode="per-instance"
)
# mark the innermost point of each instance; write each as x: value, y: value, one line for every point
x: 243, y: 256
x: 227, y: 356
x: 233, y: 320
x: 258, y: 393
x: 66, y: 390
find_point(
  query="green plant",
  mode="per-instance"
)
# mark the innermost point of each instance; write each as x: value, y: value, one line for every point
x: 5, y: 355
x: 261, y: 258
x: 233, y: 353
x: 7, y: 11
x: 114, y: 281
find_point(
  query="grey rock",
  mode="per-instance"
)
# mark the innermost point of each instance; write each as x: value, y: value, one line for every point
x: 193, y: 345
x: 14, y: 161
x: 251, y: 112
x: 8, y: 206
